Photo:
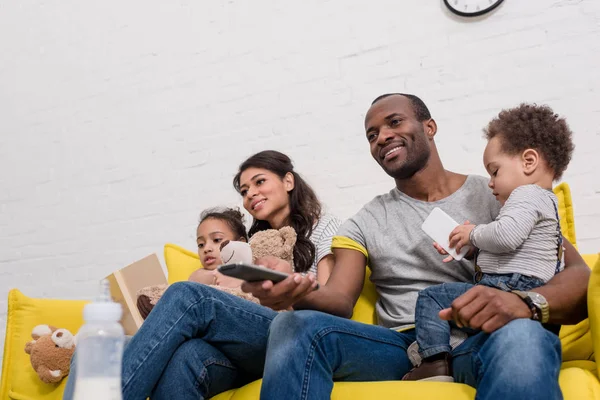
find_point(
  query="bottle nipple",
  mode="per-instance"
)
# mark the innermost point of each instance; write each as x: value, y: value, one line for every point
x: 104, y: 292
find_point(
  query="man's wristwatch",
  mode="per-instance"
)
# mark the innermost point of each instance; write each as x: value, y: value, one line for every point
x: 540, y: 310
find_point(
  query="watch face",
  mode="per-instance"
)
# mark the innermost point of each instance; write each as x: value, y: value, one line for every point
x: 536, y: 298
x: 471, y: 8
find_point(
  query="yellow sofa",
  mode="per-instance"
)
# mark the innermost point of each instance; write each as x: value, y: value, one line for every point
x: 578, y: 378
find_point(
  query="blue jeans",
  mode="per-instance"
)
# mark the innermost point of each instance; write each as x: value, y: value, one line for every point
x: 196, y: 343
x: 433, y: 333
x: 308, y: 350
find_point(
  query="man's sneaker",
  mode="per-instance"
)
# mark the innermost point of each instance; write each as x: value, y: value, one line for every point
x: 438, y: 370
x: 456, y: 338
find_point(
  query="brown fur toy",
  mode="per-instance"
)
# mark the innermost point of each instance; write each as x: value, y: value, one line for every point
x: 50, y: 352
x: 271, y: 242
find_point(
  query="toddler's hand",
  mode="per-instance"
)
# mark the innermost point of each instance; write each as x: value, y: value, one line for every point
x: 460, y: 236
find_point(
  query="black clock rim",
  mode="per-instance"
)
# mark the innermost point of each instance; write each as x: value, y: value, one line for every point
x: 474, y: 14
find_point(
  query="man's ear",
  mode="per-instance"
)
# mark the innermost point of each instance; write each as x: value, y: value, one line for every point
x: 430, y: 128
x: 242, y: 239
x: 288, y: 182
x: 530, y: 160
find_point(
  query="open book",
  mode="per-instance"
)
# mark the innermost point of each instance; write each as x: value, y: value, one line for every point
x: 125, y: 283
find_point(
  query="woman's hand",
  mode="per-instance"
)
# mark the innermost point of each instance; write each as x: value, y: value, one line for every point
x: 276, y: 264
x: 282, y: 295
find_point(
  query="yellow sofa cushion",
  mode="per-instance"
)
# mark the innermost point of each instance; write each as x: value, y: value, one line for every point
x: 576, y: 384
x: 565, y: 212
x: 577, y: 339
x: 19, y: 380
x: 372, y: 390
x: 594, y: 305
x: 180, y: 262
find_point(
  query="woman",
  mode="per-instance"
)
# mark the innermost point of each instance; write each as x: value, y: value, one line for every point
x: 276, y: 196
x: 198, y: 341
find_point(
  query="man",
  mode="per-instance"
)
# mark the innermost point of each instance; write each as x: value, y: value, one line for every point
x: 513, y: 356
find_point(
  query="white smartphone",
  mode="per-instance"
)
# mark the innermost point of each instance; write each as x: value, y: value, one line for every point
x: 252, y: 273
x: 438, y: 226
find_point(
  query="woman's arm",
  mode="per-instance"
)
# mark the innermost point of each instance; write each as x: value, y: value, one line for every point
x: 324, y: 268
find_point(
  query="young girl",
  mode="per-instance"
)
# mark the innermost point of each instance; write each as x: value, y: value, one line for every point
x: 529, y: 147
x: 217, y: 226
x: 276, y: 196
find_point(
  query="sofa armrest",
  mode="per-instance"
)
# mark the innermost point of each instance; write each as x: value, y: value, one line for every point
x: 594, y: 302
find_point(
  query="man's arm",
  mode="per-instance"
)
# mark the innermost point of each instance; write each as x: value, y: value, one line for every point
x: 343, y: 288
x: 566, y: 292
x: 337, y: 297
x: 489, y: 309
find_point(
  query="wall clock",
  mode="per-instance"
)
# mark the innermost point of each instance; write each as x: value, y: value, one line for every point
x: 471, y: 8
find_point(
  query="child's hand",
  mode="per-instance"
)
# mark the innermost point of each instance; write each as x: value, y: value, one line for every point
x: 460, y: 236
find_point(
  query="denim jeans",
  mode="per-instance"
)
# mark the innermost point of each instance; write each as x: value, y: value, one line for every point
x: 196, y: 343
x: 433, y: 333
x: 308, y: 350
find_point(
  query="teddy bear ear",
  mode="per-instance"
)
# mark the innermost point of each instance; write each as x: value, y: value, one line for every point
x: 41, y: 330
x: 63, y: 338
x: 289, y: 235
x: 29, y: 346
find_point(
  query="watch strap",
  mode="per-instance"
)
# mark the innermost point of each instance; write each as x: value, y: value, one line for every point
x: 535, y: 311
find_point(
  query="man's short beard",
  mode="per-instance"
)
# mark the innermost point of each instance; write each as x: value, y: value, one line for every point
x: 411, y: 167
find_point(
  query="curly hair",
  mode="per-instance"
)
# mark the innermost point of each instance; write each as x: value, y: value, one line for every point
x: 530, y: 126
x: 305, y: 208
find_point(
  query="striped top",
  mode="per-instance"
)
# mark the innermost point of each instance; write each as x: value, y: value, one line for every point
x: 322, y: 235
x: 524, y: 238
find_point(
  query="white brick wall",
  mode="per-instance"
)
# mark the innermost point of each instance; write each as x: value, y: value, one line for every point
x: 121, y: 121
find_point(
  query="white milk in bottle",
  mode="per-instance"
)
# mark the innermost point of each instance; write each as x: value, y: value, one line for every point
x: 100, y: 350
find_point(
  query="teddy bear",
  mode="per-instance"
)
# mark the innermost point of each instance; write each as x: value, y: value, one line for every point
x: 271, y: 242
x: 50, y: 352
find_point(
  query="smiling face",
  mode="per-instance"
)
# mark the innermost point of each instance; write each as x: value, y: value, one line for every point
x: 397, y: 140
x: 210, y: 234
x: 507, y: 172
x: 266, y: 195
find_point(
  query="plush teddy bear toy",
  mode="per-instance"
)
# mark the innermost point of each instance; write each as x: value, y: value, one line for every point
x: 50, y: 352
x: 271, y: 242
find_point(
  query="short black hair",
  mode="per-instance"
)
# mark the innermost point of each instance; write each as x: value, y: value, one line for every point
x: 420, y: 109
x: 530, y: 126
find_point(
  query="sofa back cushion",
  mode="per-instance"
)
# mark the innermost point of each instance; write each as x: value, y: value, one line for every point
x: 19, y: 380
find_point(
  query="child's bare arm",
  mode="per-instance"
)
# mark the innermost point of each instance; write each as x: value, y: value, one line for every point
x: 202, y: 275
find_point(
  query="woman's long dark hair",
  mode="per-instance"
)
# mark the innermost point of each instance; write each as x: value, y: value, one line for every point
x: 305, y: 208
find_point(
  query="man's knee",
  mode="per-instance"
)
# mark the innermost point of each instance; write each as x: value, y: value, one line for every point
x: 524, y: 344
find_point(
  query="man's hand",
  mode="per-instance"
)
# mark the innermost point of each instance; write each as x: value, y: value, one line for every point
x: 282, y: 295
x: 460, y: 236
x: 485, y: 308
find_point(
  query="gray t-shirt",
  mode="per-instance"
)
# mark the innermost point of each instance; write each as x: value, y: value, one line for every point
x: 401, y: 256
